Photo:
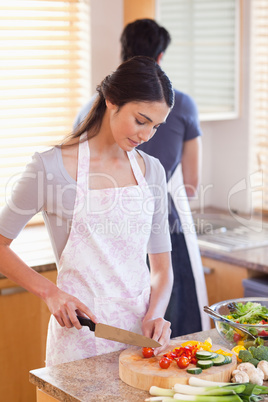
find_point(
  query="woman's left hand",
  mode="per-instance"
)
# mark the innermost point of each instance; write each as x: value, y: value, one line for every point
x: 159, y: 330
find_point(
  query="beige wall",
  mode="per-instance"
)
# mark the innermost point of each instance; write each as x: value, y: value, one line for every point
x: 106, y: 28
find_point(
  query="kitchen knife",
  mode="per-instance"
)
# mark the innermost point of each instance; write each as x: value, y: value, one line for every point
x: 118, y: 334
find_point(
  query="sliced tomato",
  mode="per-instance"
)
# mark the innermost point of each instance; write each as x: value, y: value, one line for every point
x: 170, y: 355
x: 193, y: 360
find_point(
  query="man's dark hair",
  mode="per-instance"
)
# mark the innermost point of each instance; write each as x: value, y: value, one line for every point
x: 143, y: 37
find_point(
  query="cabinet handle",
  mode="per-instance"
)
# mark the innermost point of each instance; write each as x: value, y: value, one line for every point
x: 12, y: 291
x: 208, y: 271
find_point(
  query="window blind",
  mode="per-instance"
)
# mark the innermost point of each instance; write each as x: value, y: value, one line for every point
x: 259, y: 156
x: 203, y: 57
x: 44, y: 80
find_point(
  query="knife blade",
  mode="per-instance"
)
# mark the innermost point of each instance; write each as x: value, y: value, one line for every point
x: 118, y: 334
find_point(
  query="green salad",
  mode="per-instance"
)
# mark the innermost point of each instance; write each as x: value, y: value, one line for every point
x: 249, y: 313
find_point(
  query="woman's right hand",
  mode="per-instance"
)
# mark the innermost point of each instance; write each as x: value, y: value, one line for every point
x: 66, y: 307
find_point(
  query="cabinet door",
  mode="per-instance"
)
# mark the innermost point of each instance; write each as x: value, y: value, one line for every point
x: 23, y: 320
x: 224, y: 281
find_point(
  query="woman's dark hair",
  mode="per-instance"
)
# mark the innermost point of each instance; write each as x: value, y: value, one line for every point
x: 139, y: 79
x: 143, y: 37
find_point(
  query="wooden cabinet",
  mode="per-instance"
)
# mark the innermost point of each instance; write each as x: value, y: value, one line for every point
x: 224, y: 281
x: 23, y: 320
x: 43, y: 397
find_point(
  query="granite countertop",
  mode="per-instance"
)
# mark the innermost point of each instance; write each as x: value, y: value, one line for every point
x: 96, y: 379
x: 255, y: 259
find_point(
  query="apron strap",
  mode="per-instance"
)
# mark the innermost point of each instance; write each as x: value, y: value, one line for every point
x: 136, y: 168
x: 83, y: 162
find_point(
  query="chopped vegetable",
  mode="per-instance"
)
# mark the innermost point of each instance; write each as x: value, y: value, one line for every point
x: 222, y: 352
x: 147, y: 352
x: 203, y: 354
x: 205, y: 364
x: 195, y: 370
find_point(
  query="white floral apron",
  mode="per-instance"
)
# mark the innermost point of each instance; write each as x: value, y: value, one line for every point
x: 104, y: 262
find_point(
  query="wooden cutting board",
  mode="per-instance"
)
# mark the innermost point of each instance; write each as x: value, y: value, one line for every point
x: 142, y: 373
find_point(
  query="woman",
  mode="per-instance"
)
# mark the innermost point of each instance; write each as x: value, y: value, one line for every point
x: 105, y: 206
x: 177, y: 144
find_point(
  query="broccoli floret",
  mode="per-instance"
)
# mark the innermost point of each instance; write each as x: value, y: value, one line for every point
x: 252, y: 349
x: 260, y: 353
x: 245, y: 355
x: 254, y: 362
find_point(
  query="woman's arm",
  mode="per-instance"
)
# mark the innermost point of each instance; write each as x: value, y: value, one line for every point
x: 62, y: 305
x: 154, y: 324
x: 191, y: 165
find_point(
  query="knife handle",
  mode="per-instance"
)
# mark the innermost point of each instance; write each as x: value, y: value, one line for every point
x: 87, y: 322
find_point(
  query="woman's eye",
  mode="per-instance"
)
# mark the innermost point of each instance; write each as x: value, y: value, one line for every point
x: 139, y: 122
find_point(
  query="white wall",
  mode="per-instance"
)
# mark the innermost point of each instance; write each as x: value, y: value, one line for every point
x: 225, y: 143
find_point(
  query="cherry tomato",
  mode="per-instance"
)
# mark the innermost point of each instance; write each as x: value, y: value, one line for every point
x: 164, y: 363
x: 237, y: 337
x: 263, y: 333
x: 183, y: 362
x: 147, y: 352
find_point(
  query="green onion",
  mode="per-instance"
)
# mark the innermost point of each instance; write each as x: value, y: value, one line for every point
x: 159, y: 399
x: 206, y: 398
x: 259, y: 389
x: 252, y: 398
x: 216, y: 390
x: 198, y: 382
x: 157, y: 391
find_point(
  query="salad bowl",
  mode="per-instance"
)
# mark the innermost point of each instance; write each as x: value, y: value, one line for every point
x: 248, y: 313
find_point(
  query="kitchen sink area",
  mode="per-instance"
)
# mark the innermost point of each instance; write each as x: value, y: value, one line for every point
x: 229, y: 233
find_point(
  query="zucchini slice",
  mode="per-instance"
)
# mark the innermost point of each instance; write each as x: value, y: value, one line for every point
x: 219, y: 361
x: 195, y: 370
x: 203, y: 355
x: 204, y: 364
x: 228, y: 359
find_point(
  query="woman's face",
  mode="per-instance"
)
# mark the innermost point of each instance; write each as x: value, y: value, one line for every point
x: 136, y: 122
